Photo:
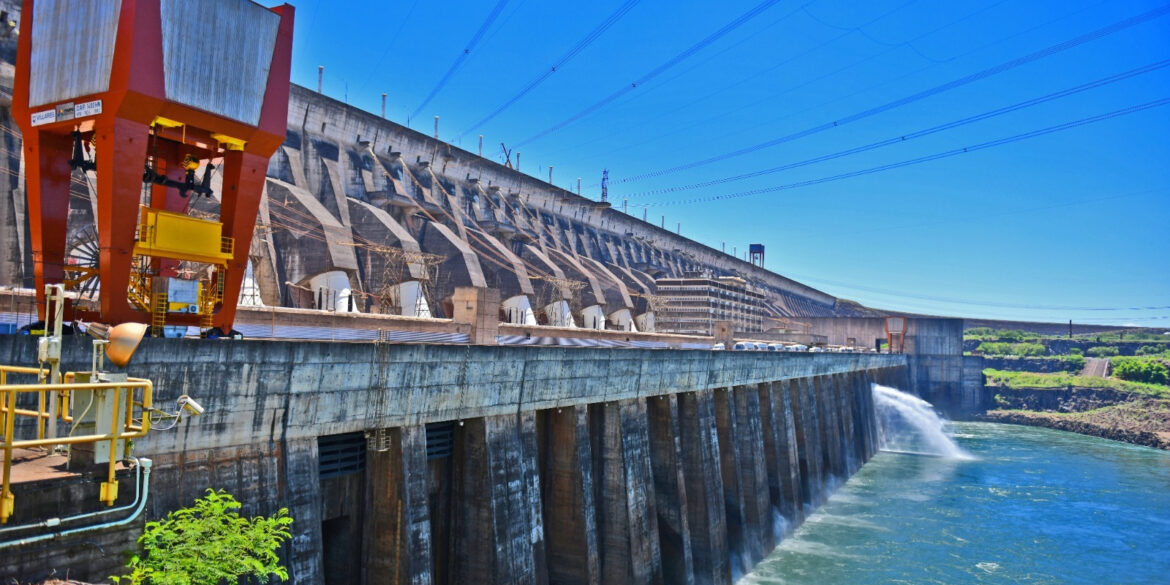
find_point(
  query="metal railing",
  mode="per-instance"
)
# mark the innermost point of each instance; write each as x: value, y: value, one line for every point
x: 129, y: 418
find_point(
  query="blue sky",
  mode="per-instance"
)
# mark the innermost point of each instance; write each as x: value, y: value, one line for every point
x: 1043, y: 228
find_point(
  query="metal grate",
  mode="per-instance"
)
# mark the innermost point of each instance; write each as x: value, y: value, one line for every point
x: 341, y: 454
x: 440, y: 439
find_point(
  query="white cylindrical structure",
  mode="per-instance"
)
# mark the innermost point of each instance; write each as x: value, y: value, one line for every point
x: 333, y: 292
x: 623, y: 320
x: 593, y: 317
x: 518, y: 310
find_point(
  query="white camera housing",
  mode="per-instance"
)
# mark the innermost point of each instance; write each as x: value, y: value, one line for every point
x: 188, y: 404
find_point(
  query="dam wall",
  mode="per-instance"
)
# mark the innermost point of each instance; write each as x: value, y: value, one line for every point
x: 936, y: 369
x: 489, y: 464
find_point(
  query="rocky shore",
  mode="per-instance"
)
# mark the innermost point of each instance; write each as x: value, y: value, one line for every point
x: 1141, y: 421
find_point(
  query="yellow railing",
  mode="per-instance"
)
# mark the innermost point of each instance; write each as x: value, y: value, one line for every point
x: 130, y: 419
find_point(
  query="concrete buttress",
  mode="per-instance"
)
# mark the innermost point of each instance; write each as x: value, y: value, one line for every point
x: 706, y: 515
x: 398, y: 523
x: 670, y: 493
x: 627, y: 517
x: 570, y: 513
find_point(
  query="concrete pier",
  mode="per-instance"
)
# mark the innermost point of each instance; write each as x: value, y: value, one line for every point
x: 472, y: 464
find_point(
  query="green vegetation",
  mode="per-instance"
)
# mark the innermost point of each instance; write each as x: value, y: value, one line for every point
x: 1076, y: 351
x: 1063, y: 380
x: 1103, y: 351
x: 1020, y: 349
x: 1124, y: 335
x: 1155, y: 350
x: 1010, y: 335
x: 1141, y: 370
x: 209, y: 544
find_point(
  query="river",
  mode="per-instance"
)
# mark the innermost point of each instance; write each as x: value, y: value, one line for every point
x: 1032, y: 505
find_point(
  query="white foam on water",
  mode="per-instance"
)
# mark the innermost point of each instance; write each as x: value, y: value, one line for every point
x: 909, y: 424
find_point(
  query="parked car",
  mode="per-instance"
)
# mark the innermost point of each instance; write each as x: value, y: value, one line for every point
x: 798, y: 347
x: 718, y: 347
x: 743, y: 346
x: 775, y: 347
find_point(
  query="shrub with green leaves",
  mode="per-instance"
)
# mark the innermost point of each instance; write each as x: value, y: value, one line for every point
x: 1141, y: 370
x: 1076, y: 351
x: 1103, y: 351
x: 1029, y: 349
x: 1153, y: 350
x: 209, y: 543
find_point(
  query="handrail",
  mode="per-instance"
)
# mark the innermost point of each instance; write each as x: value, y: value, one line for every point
x: 123, y: 423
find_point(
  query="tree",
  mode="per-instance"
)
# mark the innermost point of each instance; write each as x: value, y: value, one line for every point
x: 209, y: 543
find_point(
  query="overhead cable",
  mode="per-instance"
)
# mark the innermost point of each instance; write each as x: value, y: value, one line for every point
x: 962, y: 81
x: 918, y: 134
x: 921, y: 159
x: 573, y: 52
x: 659, y: 70
x: 495, y: 13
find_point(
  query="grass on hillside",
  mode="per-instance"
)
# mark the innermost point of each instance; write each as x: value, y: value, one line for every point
x: 1064, y: 379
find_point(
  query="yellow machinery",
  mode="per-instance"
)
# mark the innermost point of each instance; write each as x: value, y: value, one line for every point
x: 167, y: 235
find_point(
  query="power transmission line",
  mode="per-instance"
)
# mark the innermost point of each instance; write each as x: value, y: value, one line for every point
x: 918, y: 134
x: 1002, y: 67
x: 955, y: 301
x: 921, y: 159
x: 679, y: 58
x: 390, y: 44
x: 495, y: 13
x: 573, y: 52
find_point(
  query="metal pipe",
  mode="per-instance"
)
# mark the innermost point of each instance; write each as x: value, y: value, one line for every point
x: 145, y: 463
x: 56, y: 521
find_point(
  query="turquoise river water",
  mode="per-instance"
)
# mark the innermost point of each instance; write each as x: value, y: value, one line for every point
x: 1032, y: 506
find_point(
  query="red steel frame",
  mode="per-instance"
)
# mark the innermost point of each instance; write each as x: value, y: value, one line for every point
x: 121, y: 136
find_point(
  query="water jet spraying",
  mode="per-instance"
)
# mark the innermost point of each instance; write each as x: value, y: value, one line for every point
x: 909, y: 424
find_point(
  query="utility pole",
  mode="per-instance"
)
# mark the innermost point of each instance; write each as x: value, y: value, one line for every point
x: 549, y: 174
x: 383, y: 106
x: 320, y: 77
x: 481, y: 145
x: 517, y: 161
x: 436, y: 127
x: 605, y: 185
x: 578, y: 186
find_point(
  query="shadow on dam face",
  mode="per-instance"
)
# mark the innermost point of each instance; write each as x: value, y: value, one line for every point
x: 443, y: 465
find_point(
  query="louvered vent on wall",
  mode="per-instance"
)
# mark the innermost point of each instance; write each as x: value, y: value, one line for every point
x: 341, y: 454
x: 440, y: 439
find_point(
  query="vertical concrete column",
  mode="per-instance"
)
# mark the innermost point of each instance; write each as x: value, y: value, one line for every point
x: 844, y: 390
x: 498, y: 529
x: 706, y: 517
x: 397, y: 525
x: 804, y: 459
x: 824, y: 389
x: 759, y: 529
x: 776, y: 451
x: 570, y: 516
x: 813, y: 440
x: 796, y: 496
x: 670, y: 494
x: 872, y: 415
x: 627, y: 521
x: 302, y: 490
x: 731, y: 471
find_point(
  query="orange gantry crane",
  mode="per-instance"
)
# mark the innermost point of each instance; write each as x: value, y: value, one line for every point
x: 150, y: 99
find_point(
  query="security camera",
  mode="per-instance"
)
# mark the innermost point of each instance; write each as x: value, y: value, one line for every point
x: 188, y: 404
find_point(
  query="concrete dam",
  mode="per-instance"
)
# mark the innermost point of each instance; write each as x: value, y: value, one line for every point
x: 482, y: 464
